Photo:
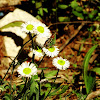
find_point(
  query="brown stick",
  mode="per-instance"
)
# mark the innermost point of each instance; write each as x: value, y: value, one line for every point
x: 70, y: 38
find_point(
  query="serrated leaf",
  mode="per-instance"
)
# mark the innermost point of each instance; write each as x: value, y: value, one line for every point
x: 78, y: 14
x: 74, y: 4
x: 62, y: 6
x: 88, y: 79
x: 51, y: 73
x: 12, y: 24
x: 97, y: 70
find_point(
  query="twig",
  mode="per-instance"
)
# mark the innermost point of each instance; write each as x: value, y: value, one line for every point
x: 70, y: 38
x: 93, y: 95
x: 75, y: 22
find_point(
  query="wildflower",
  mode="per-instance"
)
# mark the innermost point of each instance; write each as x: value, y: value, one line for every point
x: 51, y: 52
x: 27, y: 70
x: 41, y: 29
x: 28, y: 27
x: 61, y: 63
x: 41, y: 40
x: 38, y: 52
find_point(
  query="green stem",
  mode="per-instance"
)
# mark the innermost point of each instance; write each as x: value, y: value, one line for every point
x: 23, y: 91
x: 16, y: 57
x: 52, y: 85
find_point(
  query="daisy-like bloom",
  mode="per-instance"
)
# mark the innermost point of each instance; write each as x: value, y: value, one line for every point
x: 28, y: 27
x: 51, y: 52
x: 61, y: 63
x: 38, y: 52
x: 41, y: 40
x: 41, y: 30
x: 26, y: 70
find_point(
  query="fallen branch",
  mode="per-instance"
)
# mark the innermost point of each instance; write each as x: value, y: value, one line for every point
x: 72, y: 36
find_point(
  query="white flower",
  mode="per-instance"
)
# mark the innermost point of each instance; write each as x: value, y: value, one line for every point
x: 27, y: 70
x: 41, y: 30
x: 38, y: 52
x: 41, y: 40
x: 28, y: 27
x: 61, y: 63
x: 51, y: 52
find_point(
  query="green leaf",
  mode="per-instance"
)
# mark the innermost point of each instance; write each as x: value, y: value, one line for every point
x: 33, y: 1
x: 88, y: 79
x: 78, y: 14
x: 62, y: 6
x: 12, y: 24
x: 7, y: 96
x: 2, y: 88
x: 38, y: 4
x: 51, y: 73
x: 79, y: 9
x: 46, y: 10
x: 63, y: 19
x: 59, y: 90
x: 74, y: 4
x: 38, y: 17
x: 55, y: 91
x: 34, y: 90
x: 90, y: 16
x: 97, y: 70
x: 75, y: 65
x: 40, y: 11
x: 14, y: 87
x: 54, y: 9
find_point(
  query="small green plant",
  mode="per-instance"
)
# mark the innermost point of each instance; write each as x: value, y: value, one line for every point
x: 27, y: 69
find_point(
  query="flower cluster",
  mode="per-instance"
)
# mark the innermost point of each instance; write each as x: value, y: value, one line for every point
x: 38, y: 28
x: 26, y: 69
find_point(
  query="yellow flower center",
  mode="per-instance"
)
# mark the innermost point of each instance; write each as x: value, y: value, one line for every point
x: 40, y: 29
x: 29, y: 27
x: 52, y: 49
x: 39, y: 50
x: 27, y: 71
x: 61, y: 62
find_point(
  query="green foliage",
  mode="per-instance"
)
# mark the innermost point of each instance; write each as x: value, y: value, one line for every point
x: 78, y: 14
x: 63, y: 19
x: 96, y: 69
x: 88, y: 78
x: 74, y: 4
x: 12, y: 24
x: 34, y: 90
x: 59, y: 90
x: 62, y: 6
x: 50, y: 74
